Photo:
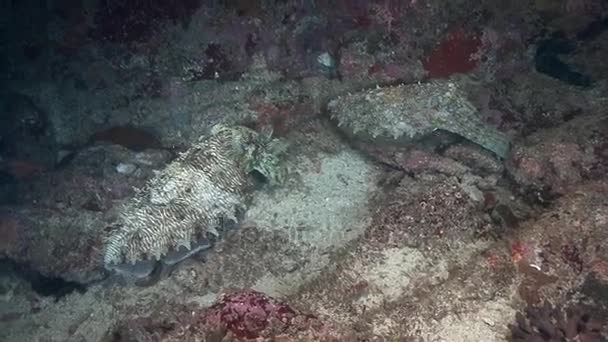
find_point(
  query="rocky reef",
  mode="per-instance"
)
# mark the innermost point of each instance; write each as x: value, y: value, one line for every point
x: 462, y: 186
x: 244, y: 315
x: 549, y: 323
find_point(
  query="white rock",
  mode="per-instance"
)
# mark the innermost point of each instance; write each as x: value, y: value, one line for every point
x: 125, y: 168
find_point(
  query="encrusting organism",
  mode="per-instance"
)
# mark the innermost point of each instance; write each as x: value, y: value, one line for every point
x: 548, y: 323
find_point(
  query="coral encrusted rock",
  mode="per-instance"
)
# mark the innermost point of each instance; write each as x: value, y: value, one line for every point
x: 188, y: 204
x: 409, y: 113
x: 549, y: 323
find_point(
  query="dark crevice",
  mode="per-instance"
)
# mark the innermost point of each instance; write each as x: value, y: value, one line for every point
x: 43, y: 285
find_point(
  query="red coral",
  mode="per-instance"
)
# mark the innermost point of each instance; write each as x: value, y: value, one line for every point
x: 453, y: 54
x: 518, y: 251
x: 242, y: 315
x: 248, y: 313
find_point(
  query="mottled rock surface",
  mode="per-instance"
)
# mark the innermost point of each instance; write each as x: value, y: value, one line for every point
x: 408, y: 113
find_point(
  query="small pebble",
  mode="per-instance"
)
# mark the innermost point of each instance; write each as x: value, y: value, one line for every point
x: 62, y: 154
x: 125, y: 168
x: 488, y: 321
x: 326, y: 60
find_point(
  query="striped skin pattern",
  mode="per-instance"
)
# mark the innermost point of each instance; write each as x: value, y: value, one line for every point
x: 189, y: 200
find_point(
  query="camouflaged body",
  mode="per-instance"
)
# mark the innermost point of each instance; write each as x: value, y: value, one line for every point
x: 190, y: 199
x: 410, y: 112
